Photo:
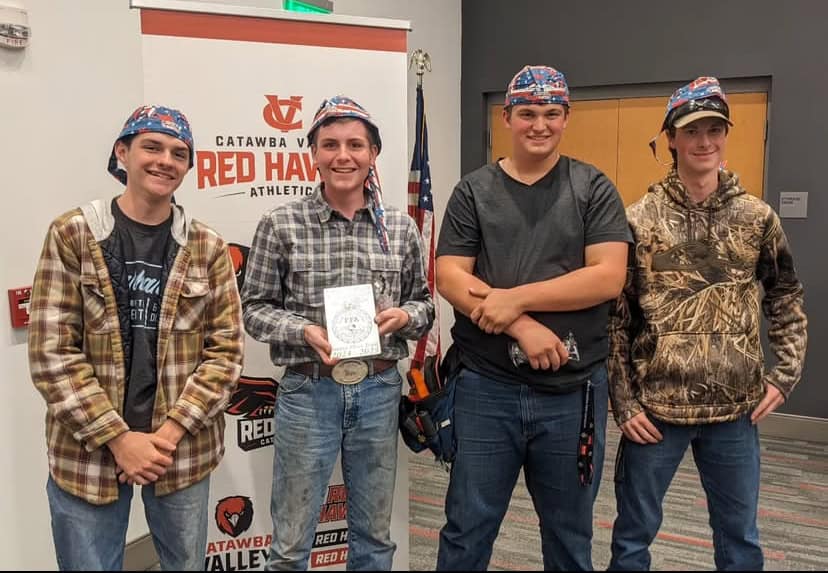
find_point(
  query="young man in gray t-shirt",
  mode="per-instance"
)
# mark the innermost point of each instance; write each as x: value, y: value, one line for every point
x: 531, y: 250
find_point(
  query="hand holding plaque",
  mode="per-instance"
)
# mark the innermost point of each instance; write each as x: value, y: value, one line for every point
x: 349, y: 314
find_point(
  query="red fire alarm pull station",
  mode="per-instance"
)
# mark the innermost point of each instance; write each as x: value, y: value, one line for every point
x: 19, y: 306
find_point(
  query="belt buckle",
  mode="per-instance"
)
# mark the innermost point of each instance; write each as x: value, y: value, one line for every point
x: 350, y: 371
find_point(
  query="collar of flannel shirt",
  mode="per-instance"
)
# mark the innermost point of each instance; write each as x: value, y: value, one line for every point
x: 325, y: 210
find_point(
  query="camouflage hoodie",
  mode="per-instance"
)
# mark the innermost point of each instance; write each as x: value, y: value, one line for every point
x: 685, y: 333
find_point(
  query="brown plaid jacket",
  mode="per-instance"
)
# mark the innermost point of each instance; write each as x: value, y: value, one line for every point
x: 76, y: 355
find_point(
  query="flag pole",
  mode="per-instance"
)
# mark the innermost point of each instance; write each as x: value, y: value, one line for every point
x: 426, y: 352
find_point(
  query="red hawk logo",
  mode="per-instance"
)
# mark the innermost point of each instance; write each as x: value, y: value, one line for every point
x: 238, y: 254
x: 234, y: 515
x: 253, y: 397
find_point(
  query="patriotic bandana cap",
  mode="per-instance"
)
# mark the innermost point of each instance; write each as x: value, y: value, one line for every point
x: 152, y: 118
x: 344, y: 107
x: 703, y: 97
x: 537, y: 85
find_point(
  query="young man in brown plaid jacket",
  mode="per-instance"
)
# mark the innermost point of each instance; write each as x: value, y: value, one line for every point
x: 135, y: 343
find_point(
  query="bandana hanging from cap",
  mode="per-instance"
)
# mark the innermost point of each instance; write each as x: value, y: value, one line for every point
x: 344, y: 107
x: 372, y: 184
x: 537, y: 85
x: 152, y: 118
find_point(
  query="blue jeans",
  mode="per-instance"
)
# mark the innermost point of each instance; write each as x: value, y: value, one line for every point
x: 502, y: 428
x: 92, y: 537
x: 315, y: 420
x: 727, y: 457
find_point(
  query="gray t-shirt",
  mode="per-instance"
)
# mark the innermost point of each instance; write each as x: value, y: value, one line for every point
x: 143, y: 247
x: 521, y: 234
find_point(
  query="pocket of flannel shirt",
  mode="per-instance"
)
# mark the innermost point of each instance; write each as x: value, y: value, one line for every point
x: 95, y: 317
x: 311, y: 275
x: 192, y: 302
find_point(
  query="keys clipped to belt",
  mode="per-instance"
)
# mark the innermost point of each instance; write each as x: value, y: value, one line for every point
x: 586, y: 433
x: 586, y: 437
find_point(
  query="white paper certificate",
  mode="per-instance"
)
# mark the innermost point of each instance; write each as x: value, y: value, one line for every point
x: 349, y: 314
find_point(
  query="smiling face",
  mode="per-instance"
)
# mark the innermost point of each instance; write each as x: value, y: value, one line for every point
x: 700, y: 146
x: 155, y: 163
x: 536, y: 129
x: 343, y: 153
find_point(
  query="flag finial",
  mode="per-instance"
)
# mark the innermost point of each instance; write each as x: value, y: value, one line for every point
x: 422, y: 61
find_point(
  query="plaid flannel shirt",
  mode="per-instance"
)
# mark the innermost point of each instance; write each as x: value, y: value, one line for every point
x: 76, y: 355
x: 304, y: 247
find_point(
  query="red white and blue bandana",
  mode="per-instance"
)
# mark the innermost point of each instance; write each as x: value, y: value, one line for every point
x: 341, y: 106
x: 344, y: 107
x: 703, y: 97
x: 537, y: 85
x: 152, y: 118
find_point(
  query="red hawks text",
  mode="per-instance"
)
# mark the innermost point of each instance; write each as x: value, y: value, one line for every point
x: 219, y: 168
x: 335, y: 507
x: 328, y: 557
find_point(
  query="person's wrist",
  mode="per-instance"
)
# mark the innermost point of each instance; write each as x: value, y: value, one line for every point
x: 115, y: 443
x: 172, y: 431
x: 518, y: 296
x: 305, y: 332
x: 519, y: 326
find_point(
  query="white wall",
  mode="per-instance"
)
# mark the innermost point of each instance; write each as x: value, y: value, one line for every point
x: 62, y: 101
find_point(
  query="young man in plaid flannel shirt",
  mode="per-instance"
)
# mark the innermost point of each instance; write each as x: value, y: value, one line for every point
x: 135, y: 343
x: 341, y: 235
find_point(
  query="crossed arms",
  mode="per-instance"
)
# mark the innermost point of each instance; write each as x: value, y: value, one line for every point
x: 497, y: 311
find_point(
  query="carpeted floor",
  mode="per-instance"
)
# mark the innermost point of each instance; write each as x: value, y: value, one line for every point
x: 793, y: 514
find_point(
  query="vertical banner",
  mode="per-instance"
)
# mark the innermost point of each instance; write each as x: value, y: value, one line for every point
x: 250, y: 80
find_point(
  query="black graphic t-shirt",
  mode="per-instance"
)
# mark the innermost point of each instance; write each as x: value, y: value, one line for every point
x: 143, y: 249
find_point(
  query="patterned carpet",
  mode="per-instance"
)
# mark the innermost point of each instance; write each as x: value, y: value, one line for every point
x: 793, y: 514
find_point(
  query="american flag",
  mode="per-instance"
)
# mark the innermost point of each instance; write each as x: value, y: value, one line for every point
x: 421, y: 209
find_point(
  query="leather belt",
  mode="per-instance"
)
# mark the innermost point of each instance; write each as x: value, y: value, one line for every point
x: 350, y: 371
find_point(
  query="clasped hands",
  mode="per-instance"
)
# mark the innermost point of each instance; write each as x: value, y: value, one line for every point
x: 140, y: 457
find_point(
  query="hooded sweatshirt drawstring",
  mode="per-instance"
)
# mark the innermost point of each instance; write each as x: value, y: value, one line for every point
x: 677, y: 193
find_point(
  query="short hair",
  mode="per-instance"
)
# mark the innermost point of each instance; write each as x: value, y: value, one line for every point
x: 508, y: 108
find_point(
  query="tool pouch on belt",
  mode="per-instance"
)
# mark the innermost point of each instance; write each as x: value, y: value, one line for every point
x: 427, y: 422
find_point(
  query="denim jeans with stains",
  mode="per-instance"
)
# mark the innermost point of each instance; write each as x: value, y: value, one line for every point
x: 316, y: 420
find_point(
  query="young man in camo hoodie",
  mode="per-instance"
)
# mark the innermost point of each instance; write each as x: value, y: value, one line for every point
x: 686, y: 364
